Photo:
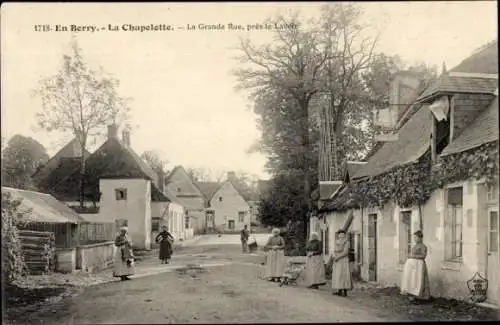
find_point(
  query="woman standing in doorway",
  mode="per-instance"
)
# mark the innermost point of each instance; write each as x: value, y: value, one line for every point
x: 415, y: 281
x: 341, y: 273
x: 124, y: 257
x: 275, y: 265
x: 165, y: 239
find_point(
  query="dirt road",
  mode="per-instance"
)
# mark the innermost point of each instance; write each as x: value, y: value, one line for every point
x: 203, y: 285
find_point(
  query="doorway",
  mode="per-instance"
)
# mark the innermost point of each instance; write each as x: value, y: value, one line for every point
x: 372, y: 247
x: 230, y: 224
x: 493, y: 292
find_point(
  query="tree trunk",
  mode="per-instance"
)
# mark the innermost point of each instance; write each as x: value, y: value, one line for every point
x: 82, y: 180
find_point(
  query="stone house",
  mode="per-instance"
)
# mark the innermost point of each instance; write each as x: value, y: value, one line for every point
x: 121, y: 188
x: 230, y: 205
x: 189, y: 193
x: 438, y: 173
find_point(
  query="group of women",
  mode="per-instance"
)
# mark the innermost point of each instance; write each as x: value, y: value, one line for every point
x: 415, y: 280
x: 315, y: 268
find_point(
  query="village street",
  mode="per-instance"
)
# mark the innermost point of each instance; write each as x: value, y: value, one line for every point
x: 224, y: 289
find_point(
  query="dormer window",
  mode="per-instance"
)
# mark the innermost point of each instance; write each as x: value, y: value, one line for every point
x: 220, y: 198
x: 441, y: 128
x: 121, y: 194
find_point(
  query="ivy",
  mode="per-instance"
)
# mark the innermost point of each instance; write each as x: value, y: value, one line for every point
x: 13, y: 266
x: 412, y: 184
x: 479, y: 162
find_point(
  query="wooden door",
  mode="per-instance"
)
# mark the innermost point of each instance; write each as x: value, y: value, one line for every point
x: 493, y: 293
x: 372, y: 247
x: 230, y: 224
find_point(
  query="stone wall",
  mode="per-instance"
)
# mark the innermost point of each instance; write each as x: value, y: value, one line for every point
x: 95, y: 257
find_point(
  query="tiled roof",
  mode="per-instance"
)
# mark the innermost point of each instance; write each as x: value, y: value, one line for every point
x: 413, y: 141
x: 111, y: 160
x: 208, y: 188
x: 172, y: 197
x: 482, y: 130
x: 58, y: 174
x: 44, y: 207
x: 327, y: 189
x: 450, y: 83
x: 245, y: 191
x: 483, y: 61
x: 341, y: 201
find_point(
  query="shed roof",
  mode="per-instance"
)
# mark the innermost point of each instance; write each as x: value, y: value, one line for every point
x: 482, y: 130
x: 44, y: 207
x: 413, y: 141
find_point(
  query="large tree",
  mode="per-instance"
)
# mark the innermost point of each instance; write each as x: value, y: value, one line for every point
x: 21, y: 157
x: 80, y: 101
x: 307, y: 77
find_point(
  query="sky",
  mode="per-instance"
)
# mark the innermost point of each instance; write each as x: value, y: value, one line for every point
x: 184, y: 103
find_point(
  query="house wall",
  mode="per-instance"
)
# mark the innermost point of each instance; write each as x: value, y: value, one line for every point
x: 448, y: 279
x: 227, y: 209
x: 181, y: 184
x: 136, y: 209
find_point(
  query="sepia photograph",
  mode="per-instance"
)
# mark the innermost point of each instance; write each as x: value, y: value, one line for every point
x: 249, y: 162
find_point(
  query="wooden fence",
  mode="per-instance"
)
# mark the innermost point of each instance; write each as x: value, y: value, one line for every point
x: 64, y: 232
x: 39, y: 250
x: 91, y: 233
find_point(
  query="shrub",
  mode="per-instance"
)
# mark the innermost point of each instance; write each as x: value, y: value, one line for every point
x: 13, y: 266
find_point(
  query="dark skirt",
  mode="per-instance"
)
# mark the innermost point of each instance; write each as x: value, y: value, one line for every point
x: 165, y: 249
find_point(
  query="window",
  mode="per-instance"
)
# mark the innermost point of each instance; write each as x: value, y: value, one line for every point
x: 453, y: 224
x: 241, y: 216
x: 494, y: 232
x: 178, y: 189
x: 186, y: 222
x: 492, y: 193
x: 442, y: 135
x: 121, y: 194
x: 155, y: 224
x: 220, y: 198
x: 405, y: 236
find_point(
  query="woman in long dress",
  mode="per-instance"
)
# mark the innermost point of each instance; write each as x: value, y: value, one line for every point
x: 415, y: 280
x: 341, y: 273
x: 165, y: 239
x: 124, y: 256
x: 275, y: 249
x: 315, y: 267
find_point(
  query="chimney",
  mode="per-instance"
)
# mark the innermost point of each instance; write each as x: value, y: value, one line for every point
x: 112, y: 131
x: 126, y: 137
x: 231, y: 176
x: 161, y: 180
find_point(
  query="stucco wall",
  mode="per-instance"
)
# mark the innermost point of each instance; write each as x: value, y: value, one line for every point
x: 136, y: 209
x: 228, y: 208
x: 446, y: 278
x: 95, y: 257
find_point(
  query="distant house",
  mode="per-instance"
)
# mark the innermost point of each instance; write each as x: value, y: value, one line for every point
x: 439, y: 174
x: 230, y: 204
x: 124, y: 188
x: 187, y: 191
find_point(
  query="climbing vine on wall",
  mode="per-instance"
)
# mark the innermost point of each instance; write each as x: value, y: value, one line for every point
x: 412, y: 184
x: 479, y: 162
